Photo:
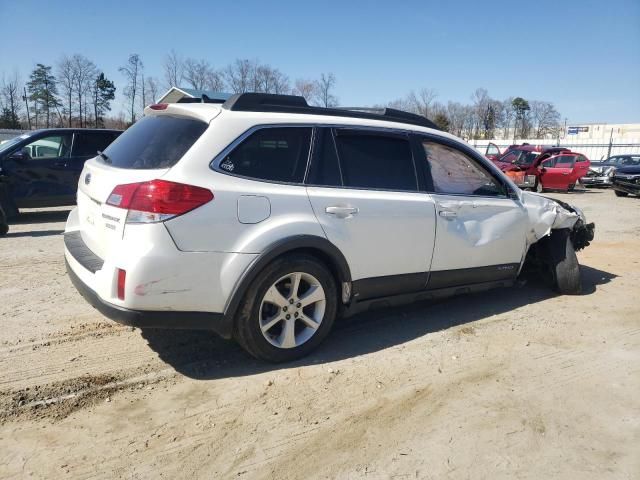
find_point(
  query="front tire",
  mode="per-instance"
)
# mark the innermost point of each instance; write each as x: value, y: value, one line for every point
x: 620, y: 194
x: 560, y: 263
x: 288, y: 310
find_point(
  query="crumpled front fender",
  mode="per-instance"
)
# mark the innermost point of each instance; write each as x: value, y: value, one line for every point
x: 546, y: 214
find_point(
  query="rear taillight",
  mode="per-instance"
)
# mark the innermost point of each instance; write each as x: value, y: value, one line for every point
x: 122, y: 277
x: 159, y: 106
x: 157, y: 200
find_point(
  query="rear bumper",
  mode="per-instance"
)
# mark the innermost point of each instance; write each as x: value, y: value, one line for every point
x: 149, y: 319
x: 165, y: 287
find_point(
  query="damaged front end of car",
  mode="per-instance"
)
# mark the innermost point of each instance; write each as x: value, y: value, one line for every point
x: 557, y: 231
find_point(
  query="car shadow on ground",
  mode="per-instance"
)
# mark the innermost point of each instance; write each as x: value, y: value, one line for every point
x: 34, y: 233
x: 204, y: 356
x: 47, y: 216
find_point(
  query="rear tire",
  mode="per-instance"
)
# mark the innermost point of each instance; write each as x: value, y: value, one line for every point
x: 620, y: 194
x: 560, y: 263
x: 280, y: 322
x: 4, y: 226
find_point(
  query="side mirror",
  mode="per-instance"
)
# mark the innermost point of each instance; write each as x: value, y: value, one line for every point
x: 543, y: 170
x: 19, y: 156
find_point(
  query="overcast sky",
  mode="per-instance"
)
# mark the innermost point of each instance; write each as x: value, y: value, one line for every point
x: 583, y: 56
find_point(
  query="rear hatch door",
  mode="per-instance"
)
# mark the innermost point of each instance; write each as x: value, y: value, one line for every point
x: 146, y: 151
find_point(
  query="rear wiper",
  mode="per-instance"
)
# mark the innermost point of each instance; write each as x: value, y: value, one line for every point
x: 104, y: 157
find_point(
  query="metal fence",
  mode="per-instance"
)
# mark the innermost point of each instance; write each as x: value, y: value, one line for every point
x: 593, y: 149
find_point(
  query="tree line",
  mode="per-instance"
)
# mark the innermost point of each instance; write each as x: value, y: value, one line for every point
x: 485, y: 117
x: 74, y: 92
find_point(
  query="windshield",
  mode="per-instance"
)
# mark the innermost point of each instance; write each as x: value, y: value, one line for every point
x: 153, y: 142
x: 11, y: 143
x: 520, y: 157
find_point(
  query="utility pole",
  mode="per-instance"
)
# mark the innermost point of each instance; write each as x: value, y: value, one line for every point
x: 610, y: 143
x: 26, y: 102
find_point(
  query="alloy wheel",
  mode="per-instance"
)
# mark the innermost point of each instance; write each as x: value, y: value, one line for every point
x: 292, y: 310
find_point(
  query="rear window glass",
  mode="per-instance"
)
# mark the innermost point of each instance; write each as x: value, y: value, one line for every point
x: 154, y: 142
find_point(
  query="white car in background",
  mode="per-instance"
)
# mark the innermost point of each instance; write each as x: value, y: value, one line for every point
x: 263, y: 219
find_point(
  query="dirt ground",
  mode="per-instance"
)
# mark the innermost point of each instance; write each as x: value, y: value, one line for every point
x: 518, y: 383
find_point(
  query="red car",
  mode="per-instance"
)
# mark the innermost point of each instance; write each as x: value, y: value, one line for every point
x: 540, y: 168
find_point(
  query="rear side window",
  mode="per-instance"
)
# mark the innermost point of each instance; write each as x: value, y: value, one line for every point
x: 565, y: 161
x: 275, y: 154
x: 376, y: 161
x: 89, y: 143
x: 154, y: 142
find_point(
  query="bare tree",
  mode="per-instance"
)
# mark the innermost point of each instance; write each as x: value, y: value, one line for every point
x: 152, y: 89
x: 306, y: 89
x: 173, y: 69
x: 324, y: 88
x: 239, y: 75
x: 10, y: 98
x: 545, y: 118
x: 270, y: 80
x: 422, y: 102
x: 67, y: 83
x: 197, y: 73
x: 215, y: 81
x: 84, y: 73
x: 132, y: 71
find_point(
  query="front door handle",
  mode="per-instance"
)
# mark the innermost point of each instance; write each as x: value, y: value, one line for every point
x: 60, y: 164
x: 341, y: 212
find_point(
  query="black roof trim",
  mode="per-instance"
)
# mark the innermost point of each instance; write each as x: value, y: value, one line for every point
x: 269, y: 102
x: 203, y: 99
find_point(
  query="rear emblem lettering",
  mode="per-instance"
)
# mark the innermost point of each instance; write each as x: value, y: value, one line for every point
x: 87, y: 179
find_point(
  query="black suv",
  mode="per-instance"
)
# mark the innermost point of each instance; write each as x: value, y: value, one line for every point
x: 626, y: 180
x: 41, y: 168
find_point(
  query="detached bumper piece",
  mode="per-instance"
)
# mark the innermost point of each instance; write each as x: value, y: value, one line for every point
x: 582, y: 234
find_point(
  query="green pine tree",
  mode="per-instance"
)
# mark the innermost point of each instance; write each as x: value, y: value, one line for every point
x: 43, y: 92
x: 103, y: 93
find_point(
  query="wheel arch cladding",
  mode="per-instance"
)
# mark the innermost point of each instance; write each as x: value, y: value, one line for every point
x: 319, y: 247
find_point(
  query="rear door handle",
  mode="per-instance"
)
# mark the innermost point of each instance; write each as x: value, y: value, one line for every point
x: 60, y: 164
x: 447, y: 213
x: 341, y: 212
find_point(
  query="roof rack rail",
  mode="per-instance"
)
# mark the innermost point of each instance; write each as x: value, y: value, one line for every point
x: 269, y: 102
x: 202, y: 99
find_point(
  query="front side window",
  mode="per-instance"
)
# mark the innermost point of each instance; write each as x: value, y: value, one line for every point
x: 275, y: 154
x: 54, y: 146
x: 377, y: 161
x: 453, y: 172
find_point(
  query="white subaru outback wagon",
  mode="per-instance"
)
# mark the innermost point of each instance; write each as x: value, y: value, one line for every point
x: 263, y: 219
